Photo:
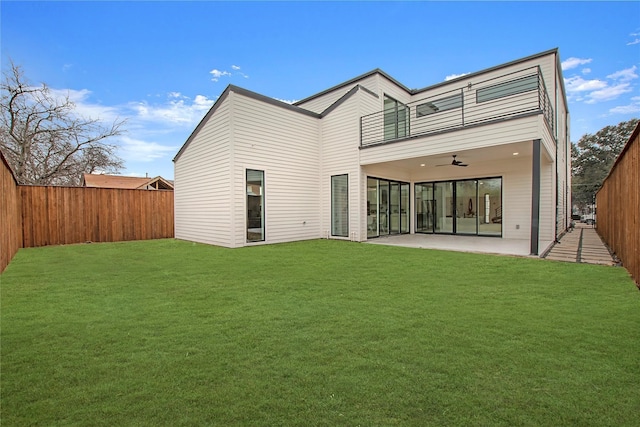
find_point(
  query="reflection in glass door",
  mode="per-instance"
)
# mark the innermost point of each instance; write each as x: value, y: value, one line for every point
x: 404, y: 207
x: 490, y: 207
x: 383, y: 207
x: 394, y: 208
x: 372, y: 207
x: 472, y: 206
x: 466, y: 207
x: 424, y: 208
x: 443, y: 207
x: 387, y: 207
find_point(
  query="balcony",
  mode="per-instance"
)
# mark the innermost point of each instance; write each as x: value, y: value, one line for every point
x: 518, y: 94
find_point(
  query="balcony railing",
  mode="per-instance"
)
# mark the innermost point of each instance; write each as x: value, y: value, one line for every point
x: 509, y: 96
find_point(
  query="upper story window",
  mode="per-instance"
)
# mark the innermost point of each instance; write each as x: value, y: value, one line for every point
x: 512, y: 87
x: 438, y: 105
x: 396, y: 119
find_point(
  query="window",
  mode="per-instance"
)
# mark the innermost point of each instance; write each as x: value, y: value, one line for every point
x: 255, y: 205
x: 512, y: 87
x: 340, y: 205
x: 396, y: 119
x: 438, y: 105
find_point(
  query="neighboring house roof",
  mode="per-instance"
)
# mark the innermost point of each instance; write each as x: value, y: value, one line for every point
x: 126, y: 182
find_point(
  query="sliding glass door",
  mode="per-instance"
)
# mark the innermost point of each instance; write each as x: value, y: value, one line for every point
x: 466, y: 207
x: 387, y: 207
x: 471, y: 207
x: 443, y: 202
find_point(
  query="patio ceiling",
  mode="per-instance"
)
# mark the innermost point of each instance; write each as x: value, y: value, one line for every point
x: 475, y: 158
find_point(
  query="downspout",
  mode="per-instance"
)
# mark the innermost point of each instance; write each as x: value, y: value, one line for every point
x: 555, y: 97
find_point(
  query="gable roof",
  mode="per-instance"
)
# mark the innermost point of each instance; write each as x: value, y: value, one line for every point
x: 267, y: 100
x: 296, y: 105
x: 125, y: 182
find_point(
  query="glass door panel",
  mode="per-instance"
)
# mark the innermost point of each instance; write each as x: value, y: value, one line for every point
x: 404, y: 208
x: 424, y: 208
x: 372, y: 207
x: 490, y: 207
x: 443, y: 207
x: 394, y: 208
x: 466, y: 207
x: 383, y: 211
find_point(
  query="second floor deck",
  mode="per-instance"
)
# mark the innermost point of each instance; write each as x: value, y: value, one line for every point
x: 505, y: 97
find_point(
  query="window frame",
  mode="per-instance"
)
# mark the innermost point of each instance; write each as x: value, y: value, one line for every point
x: 502, y: 90
x: 333, y: 200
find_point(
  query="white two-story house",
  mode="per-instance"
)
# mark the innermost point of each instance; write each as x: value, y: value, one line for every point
x: 486, y: 154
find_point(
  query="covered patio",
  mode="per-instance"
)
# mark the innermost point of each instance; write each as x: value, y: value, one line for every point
x: 492, y: 245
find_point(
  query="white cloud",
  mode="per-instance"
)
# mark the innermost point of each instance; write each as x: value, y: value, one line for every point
x: 636, y: 41
x: 586, y: 71
x: 578, y: 84
x: 454, y: 76
x: 217, y: 74
x: 235, y: 67
x: 177, y: 110
x: 287, y: 101
x: 132, y: 149
x: 572, y: 62
x: 84, y: 107
x: 608, y: 93
x: 625, y: 75
x: 632, y: 108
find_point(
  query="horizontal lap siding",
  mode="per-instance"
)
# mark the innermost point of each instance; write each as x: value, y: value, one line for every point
x: 547, y: 205
x: 483, y: 136
x: 10, y: 216
x: 516, y: 199
x: 202, y: 183
x: 67, y: 215
x: 284, y: 144
x: 340, y: 142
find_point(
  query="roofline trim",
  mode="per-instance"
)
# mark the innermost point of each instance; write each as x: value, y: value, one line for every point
x: 486, y: 70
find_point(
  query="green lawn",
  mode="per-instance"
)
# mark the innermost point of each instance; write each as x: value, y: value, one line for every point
x: 314, y: 333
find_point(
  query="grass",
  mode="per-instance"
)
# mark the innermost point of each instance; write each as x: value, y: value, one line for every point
x: 313, y: 333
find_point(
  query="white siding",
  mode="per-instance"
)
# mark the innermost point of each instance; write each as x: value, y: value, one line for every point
x: 340, y: 141
x: 547, y: 207
x: 202, y: 183
x: 522, y: 129
x: 284, y: 144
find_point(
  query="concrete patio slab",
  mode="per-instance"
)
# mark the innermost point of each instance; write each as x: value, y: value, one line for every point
x: 492, y: 245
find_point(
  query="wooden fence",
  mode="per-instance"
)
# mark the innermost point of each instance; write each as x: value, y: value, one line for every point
x: 39, y: 216
x: 618, y: 202
x: 64, y: 215
x: 10, y: 215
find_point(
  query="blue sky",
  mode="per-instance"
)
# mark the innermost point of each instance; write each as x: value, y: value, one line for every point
x: 161, y: 65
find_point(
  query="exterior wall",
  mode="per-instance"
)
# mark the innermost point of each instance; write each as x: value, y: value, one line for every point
x: 547, y: 206
x: 299, y: 153
x: 203, y: 182
x: 284, y: 144
x: 340, y: 149
x: 523, y: 129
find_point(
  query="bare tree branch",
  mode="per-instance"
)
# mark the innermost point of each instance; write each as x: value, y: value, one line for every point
x: 44, y: 138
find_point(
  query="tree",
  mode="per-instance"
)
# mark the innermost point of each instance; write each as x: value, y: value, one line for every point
x: 592, y: 158
x: 44, y: 138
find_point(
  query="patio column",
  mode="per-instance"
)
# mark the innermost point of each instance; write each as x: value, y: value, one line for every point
x: 535, y: 197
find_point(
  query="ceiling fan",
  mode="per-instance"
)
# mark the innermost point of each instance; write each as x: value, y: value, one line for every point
x: 455, y: 162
